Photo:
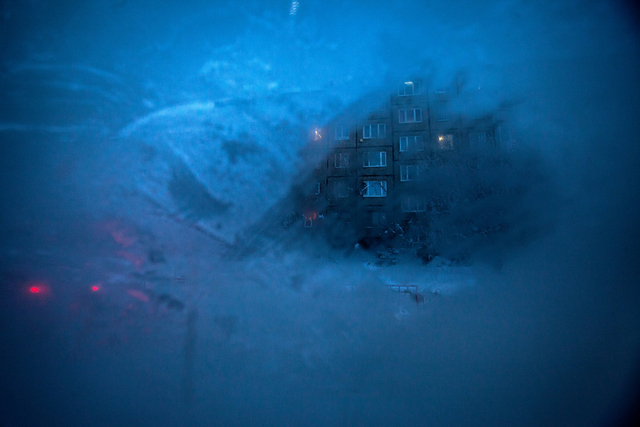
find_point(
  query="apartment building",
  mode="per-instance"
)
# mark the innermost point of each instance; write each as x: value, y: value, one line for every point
x: 370, y: 161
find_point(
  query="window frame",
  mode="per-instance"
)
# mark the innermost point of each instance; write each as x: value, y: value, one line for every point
x: 382, y: 185
x: 382, y: 159
x: 405, y: 174
x: 415, y: 89
x: 446, y: 138
x: 340, y: 136
x: 343, y: 164
x: 378, y: 135
x: 409, y: 146
x: 420, y: 205
x: 381, y: 219
x: 443, y: 116
x: 403, y: 116
x: 340, y: 189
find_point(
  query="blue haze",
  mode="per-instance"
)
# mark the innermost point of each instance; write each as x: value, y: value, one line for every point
x: 140, y: 140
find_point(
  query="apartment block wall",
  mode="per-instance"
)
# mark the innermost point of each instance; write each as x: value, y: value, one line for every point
x: 389, y: 144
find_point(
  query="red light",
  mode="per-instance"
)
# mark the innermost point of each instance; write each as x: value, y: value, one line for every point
x: 38, y: 288
x: 95, y: 288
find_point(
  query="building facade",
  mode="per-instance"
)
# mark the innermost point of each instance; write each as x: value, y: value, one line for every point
x: 370, y: 161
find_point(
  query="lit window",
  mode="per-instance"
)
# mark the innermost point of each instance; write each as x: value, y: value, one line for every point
x: 445, y: 142
x: 414, y: 204
x: 294, y: 8
x: 408, y: 172
x: 374, y: 189
x: 411, y: 143
x: 309, y: 218
x: 408, y: 89
x: 375, y: 159
x: 341, y: 160
x: 342, y: 133
x: 412, y: 115
x: 374, y: 131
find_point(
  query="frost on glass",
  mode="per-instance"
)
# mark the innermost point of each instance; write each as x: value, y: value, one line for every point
x: 168, y: 255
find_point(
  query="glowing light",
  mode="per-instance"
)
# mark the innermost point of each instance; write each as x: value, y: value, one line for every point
x: 38, y: 288
x: 294, y: 8
x: 95, y: 288
x: 441, y: 138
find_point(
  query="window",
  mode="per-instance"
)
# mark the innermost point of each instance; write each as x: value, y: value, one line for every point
x: 478, y: 139
x: 374, y: 131
x: 309, y: 219
x: 445, y: 142
x: 317, y: 189
x: 378, y: 218
x: 374, y: 189
x: 408, y: 172
x: 414, y: 204
x: 441, y: 95
x: 342, y: 133
x: 294, y: 8
x: 375, y: 159
x: 411, y: 143
x: 341, y: 160
x: 412, y: 115
x: 408, y: 89
x: 340, y: 189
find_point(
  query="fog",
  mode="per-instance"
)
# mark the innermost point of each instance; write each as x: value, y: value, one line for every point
x: 145, y: 148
